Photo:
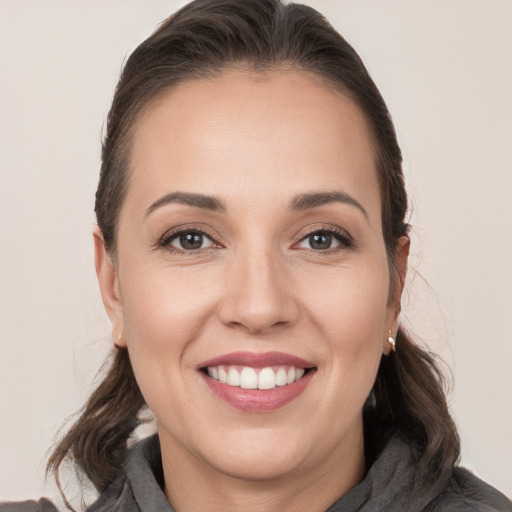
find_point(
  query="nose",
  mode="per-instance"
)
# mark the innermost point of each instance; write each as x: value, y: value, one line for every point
x: 259, y: 294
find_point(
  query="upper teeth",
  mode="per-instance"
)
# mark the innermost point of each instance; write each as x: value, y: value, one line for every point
x: 255, y: 378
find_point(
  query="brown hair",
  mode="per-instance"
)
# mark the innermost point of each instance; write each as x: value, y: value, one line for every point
x: 205, y: 38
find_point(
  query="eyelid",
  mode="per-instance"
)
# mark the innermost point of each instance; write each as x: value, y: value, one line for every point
x: 340, y: 234
x: 171, y: 234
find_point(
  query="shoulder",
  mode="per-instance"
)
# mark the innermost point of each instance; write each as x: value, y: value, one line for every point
x: 467, y: 493
x: 42, y: 505
x: 141, y: 481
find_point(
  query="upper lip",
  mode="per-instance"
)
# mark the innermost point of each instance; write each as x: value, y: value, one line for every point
x: 257, y: 360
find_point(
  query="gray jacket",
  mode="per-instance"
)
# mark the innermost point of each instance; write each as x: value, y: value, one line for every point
x: 392, y: 484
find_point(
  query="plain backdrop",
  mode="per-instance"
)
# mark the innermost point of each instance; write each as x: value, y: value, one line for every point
x: 445, y: 70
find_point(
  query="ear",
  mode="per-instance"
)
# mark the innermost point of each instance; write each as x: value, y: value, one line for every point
x: 109, y: 286
x: 401, y: 256
x: 399, y: 275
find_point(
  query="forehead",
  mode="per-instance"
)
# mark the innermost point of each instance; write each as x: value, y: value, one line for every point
x: 275, y: 132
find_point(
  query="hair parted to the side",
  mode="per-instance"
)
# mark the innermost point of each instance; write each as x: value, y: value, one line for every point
x: 203, y: 39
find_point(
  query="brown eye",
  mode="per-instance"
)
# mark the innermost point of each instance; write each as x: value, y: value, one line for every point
x: 320, y: 241
x: 323, y: 240
x: 190, y: 241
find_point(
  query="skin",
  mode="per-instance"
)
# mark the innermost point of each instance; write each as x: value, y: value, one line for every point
x: 254, y: 142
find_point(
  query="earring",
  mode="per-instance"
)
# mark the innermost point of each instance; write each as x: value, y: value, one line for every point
x: 119, y: 336
x: 391, y: 341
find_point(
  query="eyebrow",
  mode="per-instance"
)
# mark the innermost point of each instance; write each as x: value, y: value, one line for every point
x: 299, y: 202
x: 314, y: 199
x: 198, y: 200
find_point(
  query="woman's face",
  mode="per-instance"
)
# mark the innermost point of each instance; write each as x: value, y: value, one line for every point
x: 251, y: 284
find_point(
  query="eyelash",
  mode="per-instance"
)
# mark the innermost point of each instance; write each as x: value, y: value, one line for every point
x: 169, y: 237
x: 344, y: 239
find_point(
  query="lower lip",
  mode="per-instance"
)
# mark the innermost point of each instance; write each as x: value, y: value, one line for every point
x: 258, y: 400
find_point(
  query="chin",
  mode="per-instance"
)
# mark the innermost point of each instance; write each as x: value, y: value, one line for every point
x: 259, y: 467
x: 258, y: 457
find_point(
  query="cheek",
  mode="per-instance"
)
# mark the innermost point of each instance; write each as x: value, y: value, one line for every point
x: 351, y: 311
x: 165, y: 306
x: 351, y: 305
x: 164, y: 312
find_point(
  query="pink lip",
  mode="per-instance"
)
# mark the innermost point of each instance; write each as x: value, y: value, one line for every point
x: 257, y: 400
x: 255, y: 360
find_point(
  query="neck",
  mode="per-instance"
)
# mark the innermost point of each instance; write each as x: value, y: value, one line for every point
x: 192, y: 484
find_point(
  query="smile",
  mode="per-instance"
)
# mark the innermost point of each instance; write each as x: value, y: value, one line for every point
x: 257, y: 382
x: 247, y: 377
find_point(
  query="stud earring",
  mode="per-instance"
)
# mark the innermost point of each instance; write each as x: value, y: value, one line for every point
x: 391, y: 341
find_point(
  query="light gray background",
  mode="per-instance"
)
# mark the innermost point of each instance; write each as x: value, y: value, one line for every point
x: 444, y: 67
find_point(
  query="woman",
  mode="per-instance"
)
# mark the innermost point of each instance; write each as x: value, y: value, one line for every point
x: 251, y: 252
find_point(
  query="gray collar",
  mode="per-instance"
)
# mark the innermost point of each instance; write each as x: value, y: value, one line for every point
x: 389, y: 484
